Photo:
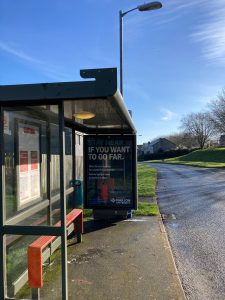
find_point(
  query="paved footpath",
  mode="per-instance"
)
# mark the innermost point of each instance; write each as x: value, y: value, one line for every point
x: 123, y: 260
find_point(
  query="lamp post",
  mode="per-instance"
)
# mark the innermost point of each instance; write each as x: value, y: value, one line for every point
x: 143, y: 7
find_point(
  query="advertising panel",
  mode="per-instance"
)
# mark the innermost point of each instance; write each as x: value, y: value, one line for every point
x: 110, y: 171
x: 28, y: 172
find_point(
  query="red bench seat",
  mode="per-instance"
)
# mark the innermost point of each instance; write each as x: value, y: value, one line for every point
x: 35, y: 249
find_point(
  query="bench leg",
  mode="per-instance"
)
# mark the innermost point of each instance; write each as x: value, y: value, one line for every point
x: 79, y: 228
x: 35, y: 294
x: 79, y: 237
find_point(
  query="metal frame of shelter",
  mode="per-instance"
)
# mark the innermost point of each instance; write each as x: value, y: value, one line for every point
x: 102, y: 87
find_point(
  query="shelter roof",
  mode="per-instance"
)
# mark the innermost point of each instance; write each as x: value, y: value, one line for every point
x: 98, y: 96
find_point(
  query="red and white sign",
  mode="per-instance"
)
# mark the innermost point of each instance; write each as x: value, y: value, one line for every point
x: 29, y: 164
x: 34, y: 160
x: 23, y: 161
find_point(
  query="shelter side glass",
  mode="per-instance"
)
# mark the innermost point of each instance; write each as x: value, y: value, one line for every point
x: 18, y: 286
x: 55, y: 174
x: 25, y: 151
x: 32, y: 165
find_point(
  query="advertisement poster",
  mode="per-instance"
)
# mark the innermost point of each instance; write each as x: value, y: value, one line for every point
x: 28, y: 187
x: 110, y: 171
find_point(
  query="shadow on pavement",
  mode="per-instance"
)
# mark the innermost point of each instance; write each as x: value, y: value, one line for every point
x: 95, y: 225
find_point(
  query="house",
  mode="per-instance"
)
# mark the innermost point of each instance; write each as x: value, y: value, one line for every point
x: 161, y: 144
x: 146, y: 147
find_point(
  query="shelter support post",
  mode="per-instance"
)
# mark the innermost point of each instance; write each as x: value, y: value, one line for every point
x: 63, y: 203
x: 35, y: 294
x: 2, y: 212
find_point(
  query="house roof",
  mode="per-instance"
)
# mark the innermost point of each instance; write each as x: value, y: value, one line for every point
x: 159, y: 140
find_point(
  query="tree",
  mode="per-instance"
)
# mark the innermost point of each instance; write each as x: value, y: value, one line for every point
x: 198, y: 125
x: 217, y: 111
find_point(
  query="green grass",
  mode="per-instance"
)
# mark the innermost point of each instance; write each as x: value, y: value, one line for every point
x: 146, y: 181
x: 210, y: 158
x: 147, y: 209
x: 88, y: 213
x: 147, y: 177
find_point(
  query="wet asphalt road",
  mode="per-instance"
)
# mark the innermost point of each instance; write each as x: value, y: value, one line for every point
x: 196, y: 197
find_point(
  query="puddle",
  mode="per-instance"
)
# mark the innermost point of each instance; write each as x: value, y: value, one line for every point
x: 172, y: 225
x: 136, y: 220
x: 170, y: 220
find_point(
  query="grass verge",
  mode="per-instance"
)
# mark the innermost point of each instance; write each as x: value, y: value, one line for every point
x: 88, y: 213
x: 147, y: 209
x: 208, y: 158
x: 146, y: 181
x: 147, y: 177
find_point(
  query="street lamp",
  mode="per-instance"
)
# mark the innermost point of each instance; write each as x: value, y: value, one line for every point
x: 143, y: 7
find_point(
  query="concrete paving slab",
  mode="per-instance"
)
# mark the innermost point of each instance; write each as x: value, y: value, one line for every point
x: 129, y: 259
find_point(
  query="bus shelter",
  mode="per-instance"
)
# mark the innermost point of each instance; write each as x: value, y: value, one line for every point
x: 56, y: 138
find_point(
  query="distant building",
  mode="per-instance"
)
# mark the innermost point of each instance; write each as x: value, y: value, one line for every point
x: 139, y: 150
x: 161, y: 144
x: 146, y: 148
x: 155, y: 146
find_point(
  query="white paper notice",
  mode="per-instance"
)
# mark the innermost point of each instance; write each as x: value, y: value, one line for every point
x: 29, y: 164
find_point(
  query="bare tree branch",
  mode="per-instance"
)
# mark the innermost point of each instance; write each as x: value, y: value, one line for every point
x: 198, y: 125
x: 217, y: 112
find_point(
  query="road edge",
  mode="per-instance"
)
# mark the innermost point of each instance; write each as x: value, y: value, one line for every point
x: 180, y: 292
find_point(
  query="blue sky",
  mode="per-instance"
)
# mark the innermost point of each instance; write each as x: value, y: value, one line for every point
x: 174, y: 58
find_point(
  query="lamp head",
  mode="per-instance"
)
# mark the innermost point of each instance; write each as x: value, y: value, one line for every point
x: 150, y: 6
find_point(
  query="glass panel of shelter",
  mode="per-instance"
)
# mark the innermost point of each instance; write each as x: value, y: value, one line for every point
x: 32, y: 177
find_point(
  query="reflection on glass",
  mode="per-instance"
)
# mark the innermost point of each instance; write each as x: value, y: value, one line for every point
x: 68, y: 157
x: 16, y: 260
x: 55, y: 162
x: 16, y: 267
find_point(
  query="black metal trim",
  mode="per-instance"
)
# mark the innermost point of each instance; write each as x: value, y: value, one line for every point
x: 104, y: 85
x: 3, y: 283
x: 33, y: 230
x: 135, y: 191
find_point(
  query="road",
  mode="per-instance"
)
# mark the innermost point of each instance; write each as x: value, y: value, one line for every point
x: 193, y: 201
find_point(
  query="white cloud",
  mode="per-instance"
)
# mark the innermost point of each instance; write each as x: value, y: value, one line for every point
x: 176, y: 9
x: 42, y: 66
x: 18, y: 53
x: 168, y: 115
x: 211, y: 31
x: 212, y: 36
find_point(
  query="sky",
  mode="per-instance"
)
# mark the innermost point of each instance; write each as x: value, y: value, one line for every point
x: 174, y: 57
